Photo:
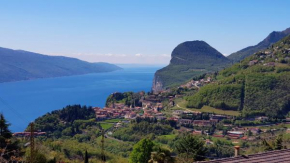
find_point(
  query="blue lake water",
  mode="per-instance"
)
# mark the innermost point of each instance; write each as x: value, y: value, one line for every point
x: 22, y: 102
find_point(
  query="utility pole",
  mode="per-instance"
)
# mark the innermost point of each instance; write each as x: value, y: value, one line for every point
x: 32, y: 142
x: 103, y: 157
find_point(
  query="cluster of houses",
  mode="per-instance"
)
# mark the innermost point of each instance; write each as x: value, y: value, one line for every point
x: 152, y: 110
x: 235, y: 133
x: 27, y: 134
x: 269, y: 54
x: 240, y: 133
x: 253, y: 62
x: 197, y: 83
x: 119, y: 110
x: 214, y: 119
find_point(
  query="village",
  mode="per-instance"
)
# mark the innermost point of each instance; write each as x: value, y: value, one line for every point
x: 151, y: 105
x: 195, y: 122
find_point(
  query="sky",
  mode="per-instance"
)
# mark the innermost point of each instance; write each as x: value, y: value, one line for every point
x: 135, y: 31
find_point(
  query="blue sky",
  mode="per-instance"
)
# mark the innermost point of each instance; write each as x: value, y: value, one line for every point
x: 134, y: 31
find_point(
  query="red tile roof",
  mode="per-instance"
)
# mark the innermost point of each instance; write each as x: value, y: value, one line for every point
x: 277, y: 156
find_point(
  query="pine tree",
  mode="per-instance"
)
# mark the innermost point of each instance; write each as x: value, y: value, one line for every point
x: 4, y: 131
x: 191, y: 148
x: 5, y: 138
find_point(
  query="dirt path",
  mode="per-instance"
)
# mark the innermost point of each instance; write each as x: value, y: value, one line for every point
x: 183, y: 108
x: 109, y: 137
x: 196, y: 86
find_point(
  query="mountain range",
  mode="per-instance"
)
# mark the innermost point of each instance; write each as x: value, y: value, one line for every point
x: 269, y: 40
x: 16, y: 65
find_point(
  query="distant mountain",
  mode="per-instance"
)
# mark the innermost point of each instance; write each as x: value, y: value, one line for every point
x: 271, y: 39
x: 188, y: 60
x: 18, y: 65
x: 258, y: 85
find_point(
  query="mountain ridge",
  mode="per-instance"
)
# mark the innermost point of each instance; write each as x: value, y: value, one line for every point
x: 18, y: 65
x: 272, y: 38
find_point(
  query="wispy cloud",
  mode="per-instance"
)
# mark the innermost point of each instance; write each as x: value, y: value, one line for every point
x: 138, y: 55
x: 165, y: 55
x: 137, y: 58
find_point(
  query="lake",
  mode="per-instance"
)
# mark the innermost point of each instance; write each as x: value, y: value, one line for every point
x: 21, y: 102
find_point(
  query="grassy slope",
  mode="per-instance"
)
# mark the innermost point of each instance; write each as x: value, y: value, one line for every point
x: 106, y: 126
x: 207, y: 109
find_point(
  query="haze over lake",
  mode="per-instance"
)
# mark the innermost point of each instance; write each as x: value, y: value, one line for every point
x: 34, y: 98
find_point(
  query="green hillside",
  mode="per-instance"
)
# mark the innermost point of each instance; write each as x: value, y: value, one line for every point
x: 258, y: 85
x: 188, y: 60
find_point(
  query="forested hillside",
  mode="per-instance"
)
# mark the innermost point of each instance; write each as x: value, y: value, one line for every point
x: 66, y: 122
x: 127, y: 98
x: 18, y: 65
x: 259, y: 85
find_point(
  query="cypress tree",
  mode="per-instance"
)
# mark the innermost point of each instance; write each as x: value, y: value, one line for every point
x: 86, y: 157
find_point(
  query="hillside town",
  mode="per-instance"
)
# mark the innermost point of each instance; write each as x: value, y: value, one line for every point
x: 195, y: 122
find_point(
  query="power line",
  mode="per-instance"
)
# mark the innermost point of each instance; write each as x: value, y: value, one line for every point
x: 13, y: 110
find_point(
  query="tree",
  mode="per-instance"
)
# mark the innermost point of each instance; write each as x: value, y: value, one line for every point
x: 4, y: 131
x: 8, y: 145
x: 40, y: 158
x: 278, y: 145
x: 191, y: 148
x: 52, y: 161
x: 267, y: 146
x: 250, y: 133
x: 162, y: 155
x: 86, y: 157
x: 221, y: 148
x: 142, y: 151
